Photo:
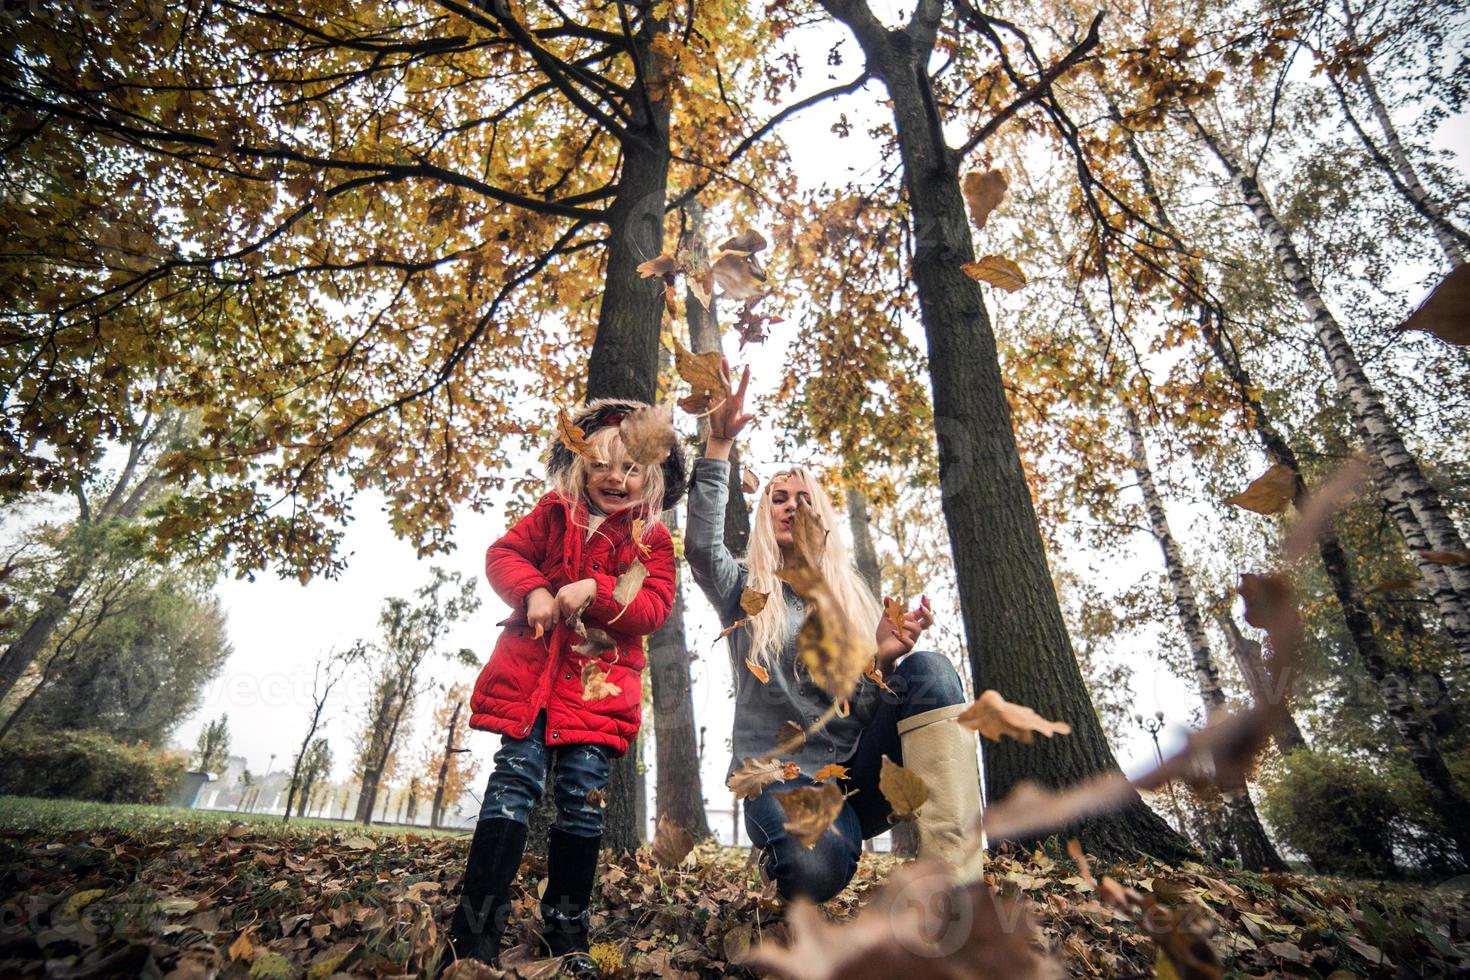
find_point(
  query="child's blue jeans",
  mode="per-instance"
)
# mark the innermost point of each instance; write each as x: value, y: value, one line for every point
x: 519, y: 777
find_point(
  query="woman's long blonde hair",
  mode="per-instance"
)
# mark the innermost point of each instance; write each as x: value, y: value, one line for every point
x: 855, y: 602
x: 571, y: 481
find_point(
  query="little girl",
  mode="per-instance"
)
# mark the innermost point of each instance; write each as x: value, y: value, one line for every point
x: 562, y: 559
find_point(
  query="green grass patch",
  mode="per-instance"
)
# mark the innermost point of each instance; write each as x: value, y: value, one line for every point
x: 61, y: 816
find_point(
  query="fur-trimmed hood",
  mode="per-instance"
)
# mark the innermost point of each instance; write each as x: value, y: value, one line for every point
x: 610, y: 411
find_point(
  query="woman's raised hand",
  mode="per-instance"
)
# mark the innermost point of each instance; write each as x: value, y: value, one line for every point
x: 894, y: 643
x: 728, y: 417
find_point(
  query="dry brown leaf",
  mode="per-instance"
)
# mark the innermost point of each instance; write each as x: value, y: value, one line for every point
x: 735, y: 266
x: 761, y: 674
x: 752, y: 601
x: 831, y: 770
x: 789, y: 737
x: 1270, y: 493
x: 994, y: 717
x: 573, y: 437
x: 671, y: 300
x: 754, y: 775
x: 1084, y: 870
x: 702, y: 373
x: 629, y: 583
x: 808, y: 535
x: 648, y: 434
x: 1447, y: 557
x: 1031, y: 809
x: 597, y: 798
x: 701, y: 287
x: 810, y: 811
x: 876, y: 676
x: 918, y: 923
x: 242, y: 948
x: 834, y: 656
x: 983, y: 193
x: 1446, y: 311
x: 595, y: 685
x: 643, y: 549
x: 1187, y: 952
x: 595, y: 641
x: 894, y: 611
x: 997, y: 270
x: 744, y: 621
x: 671, y: 843
x: 664, y: 265
x: 903, y: 790
x: 790, y: 770
x: 749, y: 482
x: 1318, y: 510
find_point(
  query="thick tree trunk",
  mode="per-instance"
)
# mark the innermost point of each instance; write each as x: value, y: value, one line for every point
x: 624, y: 361
x: 1014, y: 631
x: 436, y: 812
x: 1413, y: 502
x: 367, y: 796
x: 678, y: 791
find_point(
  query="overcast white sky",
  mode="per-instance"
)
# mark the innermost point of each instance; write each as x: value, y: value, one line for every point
x: 279, y: 627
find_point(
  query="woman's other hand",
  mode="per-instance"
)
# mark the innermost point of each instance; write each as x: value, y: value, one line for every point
x: 894, y: 643
x: 728, y: 417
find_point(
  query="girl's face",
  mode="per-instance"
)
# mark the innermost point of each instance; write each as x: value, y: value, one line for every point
x: 785, y: 492
x: 615, y: 484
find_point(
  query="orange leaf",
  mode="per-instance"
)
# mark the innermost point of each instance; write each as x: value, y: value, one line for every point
x: 790, y: 770
x: 997, y: 270
x: 664, y: 265
x: 732, y: 628
x: 752, y: 601
x: 810, y: 811
x: 995, y: 718
x: 1447, y: 557
x: 1269, y: 493
x: 761, y: 674
x: 983, y: 193
x: 573, y: 437
x: 595, y: 685
x: 830, y: 771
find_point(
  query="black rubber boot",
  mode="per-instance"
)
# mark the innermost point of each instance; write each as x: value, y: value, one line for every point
x: 484, y: 901
x: 571, y: 868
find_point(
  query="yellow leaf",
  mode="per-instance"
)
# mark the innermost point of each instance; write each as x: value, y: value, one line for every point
x: 830, y: 771
x: 995, y: 717
x: 997, y: 270
x: 1269, y: 493
x: 903, y: 790
x: 833, y: 654
x: 752, y: 601
x: 573, y: 437
x: 242, y: 947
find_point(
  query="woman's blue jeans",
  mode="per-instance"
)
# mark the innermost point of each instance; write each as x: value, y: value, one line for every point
x: 520, y: 775
x: 924, y: 680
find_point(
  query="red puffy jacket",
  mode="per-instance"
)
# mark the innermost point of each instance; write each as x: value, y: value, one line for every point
x: 524, y: 674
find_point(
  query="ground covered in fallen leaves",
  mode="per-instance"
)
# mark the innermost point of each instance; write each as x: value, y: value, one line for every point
x: 247, y: 899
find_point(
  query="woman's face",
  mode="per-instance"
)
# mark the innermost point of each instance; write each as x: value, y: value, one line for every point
x: 615, y: 484
x: 786, y: 491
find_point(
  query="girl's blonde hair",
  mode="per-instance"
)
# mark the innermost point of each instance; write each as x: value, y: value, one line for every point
x: 570, y: 482
x: 854, y: 601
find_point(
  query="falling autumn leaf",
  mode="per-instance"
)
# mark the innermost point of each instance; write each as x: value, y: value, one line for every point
x: 752, y: 601
x: 761, y: 674
x: 789, y: 737
x: 903, y: 790
x: 702, y: 373
x: 1318, y: 510
x: 831, y: 770
x: 808, y: 535
x: 994, y: 717
x: 810, y: 811
x: 597, y: 798
x: 595, y: 685
x: 749, y: 482
x: 754, y: 775
x: 648, y: 434
x: 643, y: 549
x: 1084, y: 870
x: 242, y: 947
x: 671, y: 843
x: 790, y: 770
x: 1269, y: 493
x: 701, y: 287
x: 1394, y: 585
x: 743, y: 621
x: 736, y: 268
x: 629, y: 583
x: 983, y: 193
x: 997, y: 270
x: 833, y: 655
x: 664, y: 265
x: 1446, y: 311
x: 1447, y: 557
x: 573, y: 437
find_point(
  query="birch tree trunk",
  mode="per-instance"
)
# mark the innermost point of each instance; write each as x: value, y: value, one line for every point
x: 1248, y: 658
x: 1412, y: 501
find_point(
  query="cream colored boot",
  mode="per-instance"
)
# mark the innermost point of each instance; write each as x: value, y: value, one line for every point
x: 943, y: 754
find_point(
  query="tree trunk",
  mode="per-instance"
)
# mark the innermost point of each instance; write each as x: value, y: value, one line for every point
x: 678, y: 792
x: 1014, y: 631
x: 436, y: 812
x: 19, y: 656
x: 1247, y: 654
x: 1413, y: 502
x: 367, y: 796
x: 1251, y: 843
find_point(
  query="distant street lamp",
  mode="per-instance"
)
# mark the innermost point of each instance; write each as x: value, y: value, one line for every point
x: 1153, y: 726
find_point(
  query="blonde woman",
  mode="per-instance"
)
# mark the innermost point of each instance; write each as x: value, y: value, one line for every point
x: 912, y: 723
